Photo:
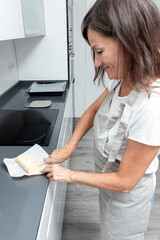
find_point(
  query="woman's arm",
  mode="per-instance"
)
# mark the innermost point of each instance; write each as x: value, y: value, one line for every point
x: 134, y: 164
x: 84, y: 124
x: 86, y: 121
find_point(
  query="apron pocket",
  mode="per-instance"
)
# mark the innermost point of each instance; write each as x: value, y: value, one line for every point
x: 129, y: 212
x: 109, y: 143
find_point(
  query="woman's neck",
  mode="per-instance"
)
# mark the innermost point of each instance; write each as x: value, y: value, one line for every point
x: 124, y: 90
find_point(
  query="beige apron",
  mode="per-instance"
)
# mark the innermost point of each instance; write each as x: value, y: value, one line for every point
x: 118, y: 211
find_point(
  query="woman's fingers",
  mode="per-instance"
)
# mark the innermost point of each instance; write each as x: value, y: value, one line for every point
x: 49, y: 160
x: 59, y: 155
x: 57, y: 173
x: 47, y: 169
x: 53, y: 158
x: 49, y: 175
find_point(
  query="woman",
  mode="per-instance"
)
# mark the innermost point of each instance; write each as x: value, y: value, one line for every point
x: 125, y: 39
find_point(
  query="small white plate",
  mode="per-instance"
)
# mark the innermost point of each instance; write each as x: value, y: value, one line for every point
x: 40, y: 104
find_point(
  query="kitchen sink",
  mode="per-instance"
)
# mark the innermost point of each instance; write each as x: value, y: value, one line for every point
x: 27, y: 127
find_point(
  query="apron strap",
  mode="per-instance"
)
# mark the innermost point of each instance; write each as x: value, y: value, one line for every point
x: 125, y: 117
x: 107, y: 102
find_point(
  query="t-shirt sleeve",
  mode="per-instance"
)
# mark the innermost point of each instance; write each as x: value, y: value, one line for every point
x: 144, y: 125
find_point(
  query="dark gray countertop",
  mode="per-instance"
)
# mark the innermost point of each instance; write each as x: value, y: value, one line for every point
x: 22, y: 199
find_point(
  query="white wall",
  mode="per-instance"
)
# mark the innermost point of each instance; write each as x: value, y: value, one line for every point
x: 157, y: 2
x: 86, y: 92
x: 79, y: 10
x: 8, y: 66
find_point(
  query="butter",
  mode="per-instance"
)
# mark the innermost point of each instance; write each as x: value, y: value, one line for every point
x: 29, y: 164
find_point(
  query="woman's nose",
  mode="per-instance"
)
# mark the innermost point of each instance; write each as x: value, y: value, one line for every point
x: 97, y: 62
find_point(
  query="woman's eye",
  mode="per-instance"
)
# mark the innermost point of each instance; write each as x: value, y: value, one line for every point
x: 99, y: 51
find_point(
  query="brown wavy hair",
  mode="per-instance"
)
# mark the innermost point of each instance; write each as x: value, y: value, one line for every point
x: 136, y: 25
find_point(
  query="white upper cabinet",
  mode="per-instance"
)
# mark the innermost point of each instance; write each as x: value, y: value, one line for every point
x: 46, y: 58
x: 11, y: 19
x: 21, y: 18
x: 33, y: 17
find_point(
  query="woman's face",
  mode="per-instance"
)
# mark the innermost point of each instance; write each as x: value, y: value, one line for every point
x: 108, y: 54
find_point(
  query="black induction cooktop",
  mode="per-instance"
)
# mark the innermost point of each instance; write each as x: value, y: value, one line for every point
x: 27, y: 127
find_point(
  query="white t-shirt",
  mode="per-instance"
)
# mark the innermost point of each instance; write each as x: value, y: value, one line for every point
x: 144, y: 124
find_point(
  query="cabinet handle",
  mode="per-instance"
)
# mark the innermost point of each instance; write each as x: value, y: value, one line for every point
x: 72, y: 56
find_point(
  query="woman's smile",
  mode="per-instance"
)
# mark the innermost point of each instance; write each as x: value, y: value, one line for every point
x: 105, y: 68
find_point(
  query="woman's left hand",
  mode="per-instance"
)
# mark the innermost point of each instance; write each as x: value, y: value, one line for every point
x: 58, y: 173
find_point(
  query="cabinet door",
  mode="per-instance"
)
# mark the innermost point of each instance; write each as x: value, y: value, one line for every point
x: 11, y: 20
x: 46, y: 58
x: 33, y: 16
x: 21, y: 18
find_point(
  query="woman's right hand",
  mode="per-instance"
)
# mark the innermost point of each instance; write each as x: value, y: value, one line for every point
x: 59, y: 155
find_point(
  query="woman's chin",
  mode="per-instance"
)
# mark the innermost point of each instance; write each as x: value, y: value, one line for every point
x: 112, y: 77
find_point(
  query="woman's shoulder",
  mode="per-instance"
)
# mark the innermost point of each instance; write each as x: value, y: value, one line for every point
x: 151, y: 98
x: 148, y: 105
x: 155, y: 88
x: 156, y: 82
x: 144, y: 125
